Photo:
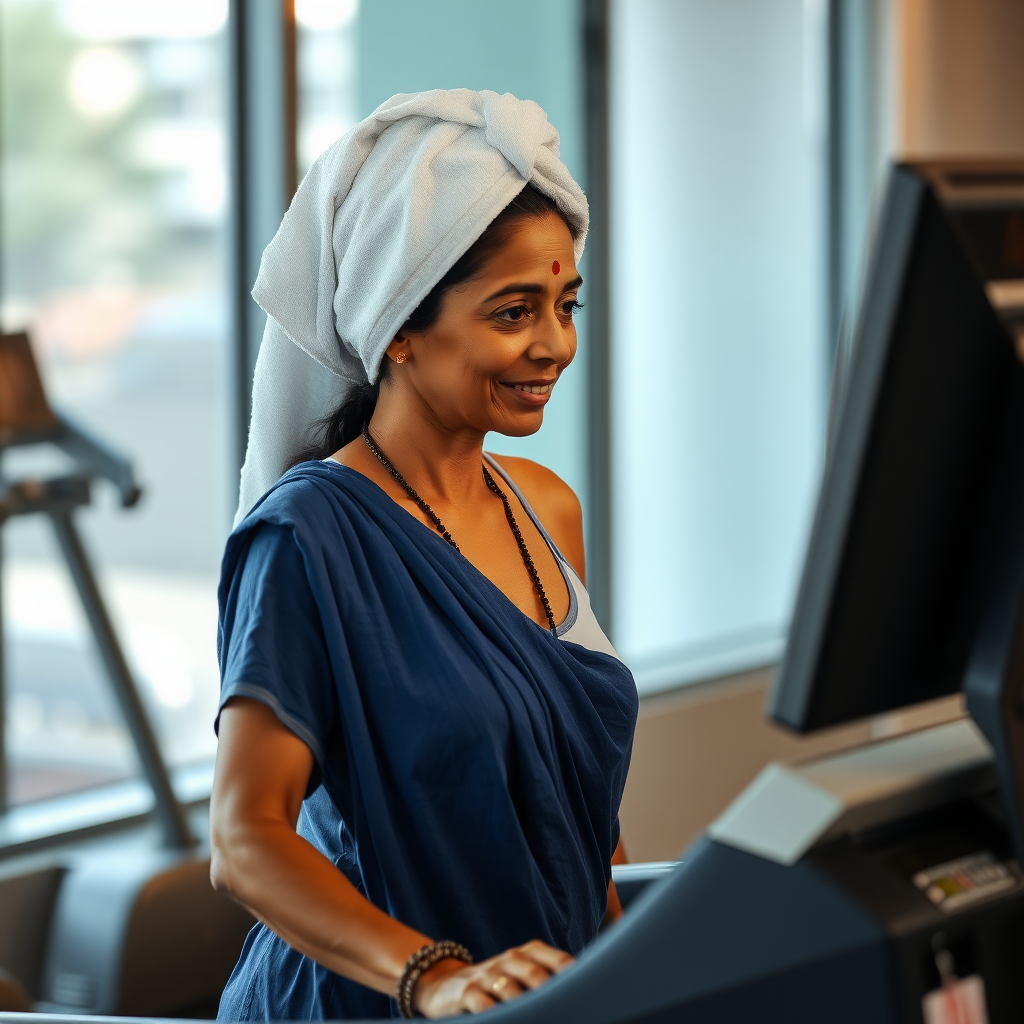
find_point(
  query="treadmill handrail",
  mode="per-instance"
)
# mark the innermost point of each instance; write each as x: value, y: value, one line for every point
x: 95, y: 454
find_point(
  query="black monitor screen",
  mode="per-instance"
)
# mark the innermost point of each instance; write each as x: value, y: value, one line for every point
x: 886, y: 611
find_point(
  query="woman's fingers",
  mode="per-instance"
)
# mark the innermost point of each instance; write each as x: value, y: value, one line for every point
x: 501, y: 983
x: 525, y: 970
x: 476, y: 1000
x: 547, y: 956
x: 478, y: 987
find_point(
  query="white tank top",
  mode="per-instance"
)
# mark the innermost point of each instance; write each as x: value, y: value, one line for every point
x: 580, y: 625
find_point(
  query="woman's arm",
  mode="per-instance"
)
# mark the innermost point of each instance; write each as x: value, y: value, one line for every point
x: 258, y: 858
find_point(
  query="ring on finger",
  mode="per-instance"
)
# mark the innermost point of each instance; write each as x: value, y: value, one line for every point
x: 499, y: 984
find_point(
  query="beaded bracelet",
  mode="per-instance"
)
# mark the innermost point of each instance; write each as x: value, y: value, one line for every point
x: 420, y: 962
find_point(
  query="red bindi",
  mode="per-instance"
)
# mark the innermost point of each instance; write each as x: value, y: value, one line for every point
x: 555, y: 267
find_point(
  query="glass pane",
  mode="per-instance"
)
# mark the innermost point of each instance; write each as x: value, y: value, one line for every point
x: 327, y: 74
x: 718, y: 222
x: 114, y: 182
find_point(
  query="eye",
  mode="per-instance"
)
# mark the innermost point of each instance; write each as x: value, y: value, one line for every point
x: 514, y: 314
x: 570, y: 307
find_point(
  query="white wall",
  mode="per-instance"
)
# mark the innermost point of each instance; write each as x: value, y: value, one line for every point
x: 718, y: 268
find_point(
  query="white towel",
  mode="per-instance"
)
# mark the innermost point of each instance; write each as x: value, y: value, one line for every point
x: 378, y: 220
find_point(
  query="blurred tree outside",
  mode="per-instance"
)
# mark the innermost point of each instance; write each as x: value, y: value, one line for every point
x: 93, y: 192
x: 112, y: 205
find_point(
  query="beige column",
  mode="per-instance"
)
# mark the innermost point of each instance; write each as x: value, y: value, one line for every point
x: 962, y: 78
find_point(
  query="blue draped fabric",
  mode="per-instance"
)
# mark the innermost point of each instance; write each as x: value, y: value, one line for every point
x: 469, y: 765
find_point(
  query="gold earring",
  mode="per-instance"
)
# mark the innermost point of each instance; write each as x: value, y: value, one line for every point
x: 401, y: 357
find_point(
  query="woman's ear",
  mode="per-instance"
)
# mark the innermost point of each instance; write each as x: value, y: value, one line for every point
x: 399, y: 350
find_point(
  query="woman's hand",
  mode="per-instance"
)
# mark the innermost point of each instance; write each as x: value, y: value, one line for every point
x: 452, y: 987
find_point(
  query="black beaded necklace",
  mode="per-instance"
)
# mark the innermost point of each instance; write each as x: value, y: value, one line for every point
x: 538, y: 587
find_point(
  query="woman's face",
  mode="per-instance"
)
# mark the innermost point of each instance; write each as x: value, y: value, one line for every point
x: 502, y: 338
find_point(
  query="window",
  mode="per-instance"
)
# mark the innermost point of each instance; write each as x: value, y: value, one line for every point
x: 326, y: 65
x: 114, y: 195
x: 718, y: 250
x: 114, y: 189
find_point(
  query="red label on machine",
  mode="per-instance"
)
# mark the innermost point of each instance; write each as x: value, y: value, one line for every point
x: 960, y: 1001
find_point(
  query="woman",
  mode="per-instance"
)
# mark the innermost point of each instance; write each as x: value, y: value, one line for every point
x: 412, y: 674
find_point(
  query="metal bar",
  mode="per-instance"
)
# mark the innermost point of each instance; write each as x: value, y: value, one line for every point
x: 837, y: 329
x: 93, y: 453
x: 264, y: 168
x: 599, y: 427
x: 240, y: 300
x: 835, y: 177
x: 177, y: 834
x: 290, y: 96
x: 856, y: 151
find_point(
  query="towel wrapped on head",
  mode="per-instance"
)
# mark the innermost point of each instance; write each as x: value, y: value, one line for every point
x: 378, y: 220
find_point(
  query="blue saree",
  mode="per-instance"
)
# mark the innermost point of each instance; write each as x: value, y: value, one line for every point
x: 468, y: 764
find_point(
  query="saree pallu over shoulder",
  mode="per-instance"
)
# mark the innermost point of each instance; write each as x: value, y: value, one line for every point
x: 469, y: 764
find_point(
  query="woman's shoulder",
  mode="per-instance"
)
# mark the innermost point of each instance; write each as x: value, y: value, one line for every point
x: 315, y: 509
x: 307, y: 493
x: 553, y: 500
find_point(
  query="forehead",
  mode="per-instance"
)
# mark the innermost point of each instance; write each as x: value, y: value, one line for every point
x: 534, y: 243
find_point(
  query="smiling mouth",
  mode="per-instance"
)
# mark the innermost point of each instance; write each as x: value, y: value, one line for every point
x: 530, y: 389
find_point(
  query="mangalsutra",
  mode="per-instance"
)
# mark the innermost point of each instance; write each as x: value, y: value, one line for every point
x: 524, y: 552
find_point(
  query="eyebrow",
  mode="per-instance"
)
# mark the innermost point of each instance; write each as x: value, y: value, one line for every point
x: 532, y: 288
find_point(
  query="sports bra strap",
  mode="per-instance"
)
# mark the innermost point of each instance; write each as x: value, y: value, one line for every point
x: 495, y: 465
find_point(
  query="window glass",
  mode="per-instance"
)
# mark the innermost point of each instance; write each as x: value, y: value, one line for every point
x: 326, y: 38
x: 718, y: 325
x: 114, y: 177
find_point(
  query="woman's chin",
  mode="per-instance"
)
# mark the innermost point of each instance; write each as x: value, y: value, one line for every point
x: 521, y: 424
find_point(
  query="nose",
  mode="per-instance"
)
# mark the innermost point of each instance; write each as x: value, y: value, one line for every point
x: 552, y: 341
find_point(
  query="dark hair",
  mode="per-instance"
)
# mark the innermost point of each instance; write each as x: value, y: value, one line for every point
x: 346, y: 423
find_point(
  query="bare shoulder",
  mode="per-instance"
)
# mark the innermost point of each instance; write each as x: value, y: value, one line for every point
x: 555, y: 503
x: 552, y: 498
